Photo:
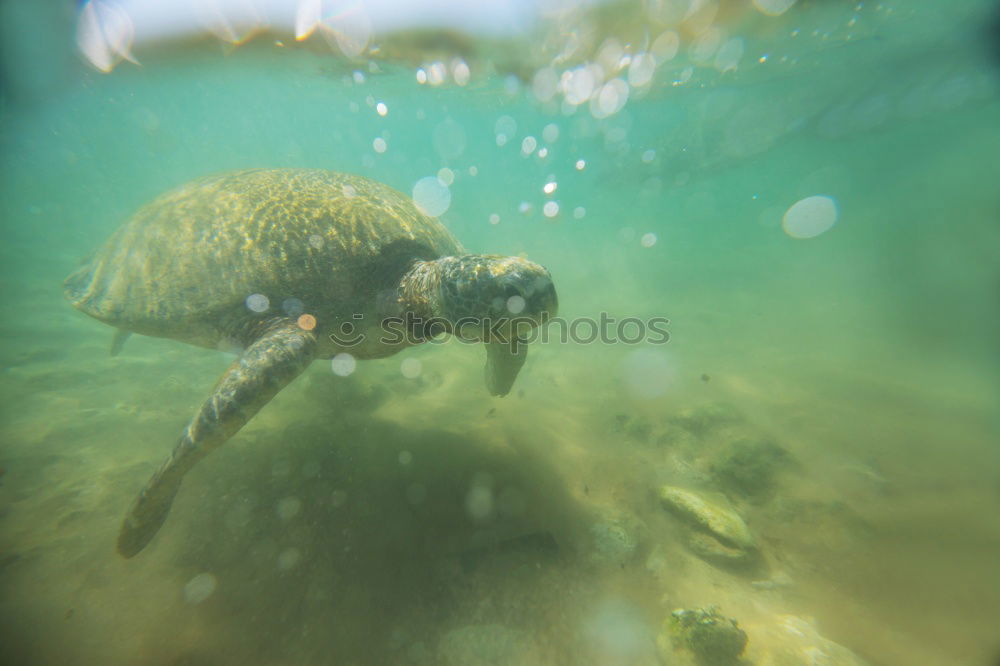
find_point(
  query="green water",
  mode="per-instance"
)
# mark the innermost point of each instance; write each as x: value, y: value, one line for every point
x: 341, y: 525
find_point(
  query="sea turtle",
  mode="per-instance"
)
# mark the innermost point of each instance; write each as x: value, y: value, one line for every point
x: 288, y: 266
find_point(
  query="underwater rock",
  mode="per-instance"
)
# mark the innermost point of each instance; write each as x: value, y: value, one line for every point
x: 714, y: 640
x: 704, y: 418
x: 794, y: 641
x: 716, y: 552
x: 677, y: 438
x: 716, y: 533
x: 778, y: 581
x: 633, y: 427
x: 750, y: 468
x: 484, y: 645
x: 614, y: 539
x: 713, y: 518
x: 534, y: 547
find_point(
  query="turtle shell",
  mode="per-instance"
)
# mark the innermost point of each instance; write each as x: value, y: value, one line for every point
x: 319, y: 240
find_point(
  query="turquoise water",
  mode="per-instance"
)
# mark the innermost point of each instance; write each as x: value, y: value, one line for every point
x: 838, y: 391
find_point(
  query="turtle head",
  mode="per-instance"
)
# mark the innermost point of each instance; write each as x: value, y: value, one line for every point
x: 496, y: 300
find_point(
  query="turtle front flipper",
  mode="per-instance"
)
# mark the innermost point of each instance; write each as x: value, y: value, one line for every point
x: 503, y: 362
x: 266, y: 367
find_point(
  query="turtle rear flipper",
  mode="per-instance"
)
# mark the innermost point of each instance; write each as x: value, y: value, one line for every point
x: 266, y: 367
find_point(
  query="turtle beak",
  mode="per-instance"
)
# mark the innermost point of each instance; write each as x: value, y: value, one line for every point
x: 503, y: 362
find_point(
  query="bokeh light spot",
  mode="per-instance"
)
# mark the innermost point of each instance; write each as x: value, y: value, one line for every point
x: 293, y: 307
x: 411, y: 368
x: 258, y: 302
x: 343, y: 364
x: 449, y: 139
x: 288, y: 508
x: 773, y: 7
x: 515, y: 304
x: 306, y: 322
x: 647, y: 373
x: 431, y: 196
x: 199, y: 588
x: 289, y: 559
x: 446, y: 176
x: 810, y: 217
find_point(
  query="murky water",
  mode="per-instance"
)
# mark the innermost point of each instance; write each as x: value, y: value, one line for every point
x: 808, y: 198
